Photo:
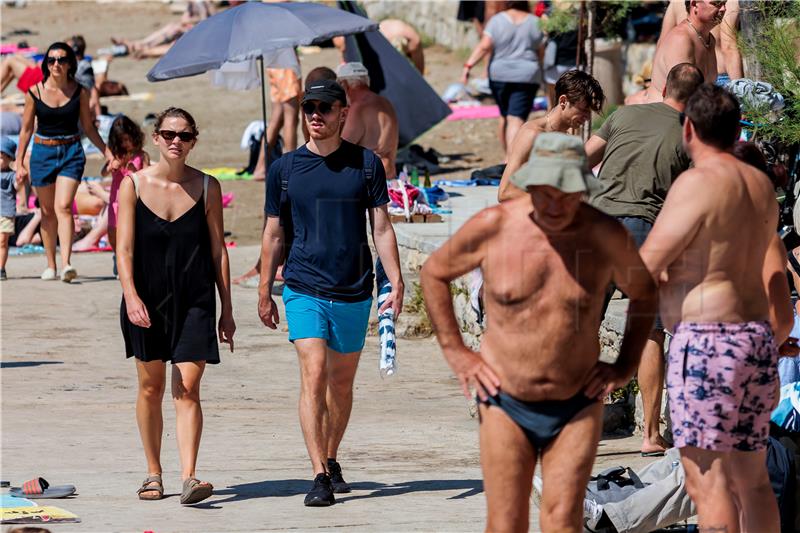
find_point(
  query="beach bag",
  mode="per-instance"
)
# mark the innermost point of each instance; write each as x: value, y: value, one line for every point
x: 613, y: 485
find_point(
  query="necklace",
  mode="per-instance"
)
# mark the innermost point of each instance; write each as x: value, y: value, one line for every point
x: 700, y: 35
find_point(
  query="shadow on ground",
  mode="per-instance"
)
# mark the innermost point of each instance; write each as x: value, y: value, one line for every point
x: 23, y: 364
x: 295, y: 487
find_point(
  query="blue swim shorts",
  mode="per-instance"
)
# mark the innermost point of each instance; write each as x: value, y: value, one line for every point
x: 342, y: 324
x: 49, y: 162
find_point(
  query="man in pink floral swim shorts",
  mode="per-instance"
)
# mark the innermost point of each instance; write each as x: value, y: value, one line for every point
x: 715, y: 252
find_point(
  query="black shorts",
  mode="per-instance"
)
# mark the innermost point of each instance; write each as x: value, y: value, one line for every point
x: 515, y: 99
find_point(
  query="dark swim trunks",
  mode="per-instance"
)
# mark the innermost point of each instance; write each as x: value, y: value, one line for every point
x: 722, y: 381
x: 541, y: 421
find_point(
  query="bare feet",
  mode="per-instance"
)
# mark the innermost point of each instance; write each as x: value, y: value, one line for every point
x: 258, y: 176
x: 655, y: 447
x: 83, y: 245
x: 249, y: 274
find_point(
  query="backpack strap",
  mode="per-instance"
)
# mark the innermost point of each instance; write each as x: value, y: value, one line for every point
x: 286, y: 171
x: 369, y: 163
x: 205, y: 190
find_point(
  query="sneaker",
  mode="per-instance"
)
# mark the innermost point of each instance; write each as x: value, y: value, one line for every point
x: 536, y: 493
x: 592, y: 513
x: 322, y: 493
x: 68, y: 274
x: 340, y: 486
x: 3, y: 275
x: 49, y: 274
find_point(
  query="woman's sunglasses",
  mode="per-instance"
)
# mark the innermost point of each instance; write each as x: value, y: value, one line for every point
x: 323, y: 108
x: 63, y: 60
x: 169, y: 135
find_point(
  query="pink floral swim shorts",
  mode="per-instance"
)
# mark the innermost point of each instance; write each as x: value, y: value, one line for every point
x: 722, y: 384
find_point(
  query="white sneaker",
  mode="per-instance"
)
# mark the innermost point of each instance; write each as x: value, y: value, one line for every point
x: 592, y: 512
x: 536, y: 493
x: 68, y: 274
x: 49, y: 274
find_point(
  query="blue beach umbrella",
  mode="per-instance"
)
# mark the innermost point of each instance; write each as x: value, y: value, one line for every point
x: 255, y: 30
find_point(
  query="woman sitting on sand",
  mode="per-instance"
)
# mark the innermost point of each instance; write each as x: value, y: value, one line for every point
x: 171, y: 254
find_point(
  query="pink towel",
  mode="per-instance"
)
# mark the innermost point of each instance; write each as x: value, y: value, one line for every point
x: 227, y: 199
x: 473, y: 112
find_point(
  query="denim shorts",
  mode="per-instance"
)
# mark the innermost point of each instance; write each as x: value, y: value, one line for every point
x: 49, y: 162
x: 639, y: 229
x: 342, y: 324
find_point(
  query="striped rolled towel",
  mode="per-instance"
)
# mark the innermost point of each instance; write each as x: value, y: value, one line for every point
x: 388, y: 359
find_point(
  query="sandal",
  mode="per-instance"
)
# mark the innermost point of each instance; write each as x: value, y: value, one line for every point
x: 151, y: 484
x: 195, y: 491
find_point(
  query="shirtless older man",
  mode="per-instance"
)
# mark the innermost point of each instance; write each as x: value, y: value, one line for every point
x: 577, y: 95
x: 372, y: 121
x: 729, y: 58
x: 722, y: 376
x: 688, y: 42
x: 547, y: 258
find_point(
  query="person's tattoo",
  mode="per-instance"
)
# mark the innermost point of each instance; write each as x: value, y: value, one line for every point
x: 714, y: 529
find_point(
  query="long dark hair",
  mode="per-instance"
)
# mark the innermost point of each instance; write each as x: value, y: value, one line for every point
x: 122, y: 126
x: 73, y: 60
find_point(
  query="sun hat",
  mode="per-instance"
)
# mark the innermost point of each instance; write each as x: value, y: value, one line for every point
x: 557, y: 160
x: 8, y: 147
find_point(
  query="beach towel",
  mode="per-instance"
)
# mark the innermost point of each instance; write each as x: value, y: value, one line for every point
x: 7, y: 500
x: 37, y: 514
x: 472, y: 112
x: 388, y: 347
x: 227, y: 174
x: 28, y: 249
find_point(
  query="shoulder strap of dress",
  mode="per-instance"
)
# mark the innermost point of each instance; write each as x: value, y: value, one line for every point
x: 205, y: 190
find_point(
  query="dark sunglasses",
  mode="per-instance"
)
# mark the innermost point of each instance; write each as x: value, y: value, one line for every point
x: 169, y: 135
x: 323, y: 108
x: 63, y: 60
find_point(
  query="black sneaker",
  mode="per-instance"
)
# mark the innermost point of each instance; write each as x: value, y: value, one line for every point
x: 340, y: 486
x: 322, y: 493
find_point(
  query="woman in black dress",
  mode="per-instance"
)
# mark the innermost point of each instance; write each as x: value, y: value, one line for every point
x: 171, y: 254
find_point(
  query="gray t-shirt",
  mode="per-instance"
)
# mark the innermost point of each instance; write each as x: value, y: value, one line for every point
x: 8, y: 194
x: 514, y: 57
x: 643, y: 155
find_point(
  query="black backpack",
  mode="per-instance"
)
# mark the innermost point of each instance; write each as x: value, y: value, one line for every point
x: 285, y: 211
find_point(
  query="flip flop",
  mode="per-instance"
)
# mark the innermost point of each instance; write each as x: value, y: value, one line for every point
x: 40, y: 488
x: 652, y: 454
x: 194, y: 491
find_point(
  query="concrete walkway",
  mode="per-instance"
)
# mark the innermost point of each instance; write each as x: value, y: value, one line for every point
x: 68, y: 398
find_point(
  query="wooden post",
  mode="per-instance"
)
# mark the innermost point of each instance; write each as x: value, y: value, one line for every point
x: 581, y: 37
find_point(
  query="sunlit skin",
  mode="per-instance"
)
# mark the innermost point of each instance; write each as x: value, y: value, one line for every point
x: 553, y: 210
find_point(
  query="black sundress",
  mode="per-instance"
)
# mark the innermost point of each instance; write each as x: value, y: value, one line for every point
x: 174, y: 276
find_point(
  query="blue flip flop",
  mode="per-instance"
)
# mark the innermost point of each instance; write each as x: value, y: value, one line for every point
x: 40, y: 488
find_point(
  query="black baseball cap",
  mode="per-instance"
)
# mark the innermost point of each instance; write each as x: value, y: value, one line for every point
x: 325, y: 91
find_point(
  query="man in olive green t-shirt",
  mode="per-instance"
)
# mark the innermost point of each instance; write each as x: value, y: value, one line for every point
x: 641, y: 151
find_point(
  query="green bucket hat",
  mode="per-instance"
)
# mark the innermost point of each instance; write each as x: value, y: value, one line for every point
x: 557, y: 160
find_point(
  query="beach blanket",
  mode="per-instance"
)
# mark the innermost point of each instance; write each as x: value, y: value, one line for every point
x: 7, y: 500
x: 135, y: 97
x: 37, y: 514
x: 28, y: 249
x: 472, y: 112
x: 227, y: 174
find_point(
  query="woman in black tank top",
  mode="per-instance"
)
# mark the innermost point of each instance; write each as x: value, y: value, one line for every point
x: 171, y: 256
x: 56, y: 164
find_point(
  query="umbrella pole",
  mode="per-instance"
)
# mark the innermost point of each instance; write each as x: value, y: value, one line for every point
x: 264, y: 111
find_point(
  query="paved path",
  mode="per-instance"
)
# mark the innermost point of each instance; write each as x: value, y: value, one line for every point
x: 68, y: 414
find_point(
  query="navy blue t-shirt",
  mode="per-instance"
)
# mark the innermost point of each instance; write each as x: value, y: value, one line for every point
x: 329, y: 256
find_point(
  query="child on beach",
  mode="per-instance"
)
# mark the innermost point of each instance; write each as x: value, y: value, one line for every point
x: 125, y: 140
x: 8, y: 199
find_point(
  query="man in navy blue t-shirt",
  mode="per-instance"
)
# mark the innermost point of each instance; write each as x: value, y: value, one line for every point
x: 318, y: 200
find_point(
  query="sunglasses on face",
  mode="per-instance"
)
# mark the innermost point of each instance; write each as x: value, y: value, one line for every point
x: 63, y: 60
x: 323, y: 108
x: 169, y: 135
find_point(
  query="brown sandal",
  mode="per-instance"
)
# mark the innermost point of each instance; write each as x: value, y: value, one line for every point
x: 195, y: 491
x: 151, y: 484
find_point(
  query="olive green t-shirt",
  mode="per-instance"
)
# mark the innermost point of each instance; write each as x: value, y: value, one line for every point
x: 643, y: 156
